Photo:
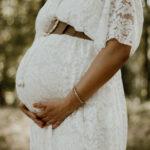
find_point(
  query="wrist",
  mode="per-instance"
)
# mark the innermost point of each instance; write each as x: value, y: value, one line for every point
x: 72, y: 101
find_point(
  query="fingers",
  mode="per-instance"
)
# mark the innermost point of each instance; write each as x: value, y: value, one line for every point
x: 45, y: 119
x: 40, y: 105
x: 52, y: 121
x: 38, y: 122
x: 30, y: 114
x: 42, y: 114
x: 55, y: 125
x: 26, y: 110
x: 45, y: 113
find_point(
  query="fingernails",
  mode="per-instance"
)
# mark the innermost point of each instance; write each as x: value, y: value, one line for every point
x: 35, y: 104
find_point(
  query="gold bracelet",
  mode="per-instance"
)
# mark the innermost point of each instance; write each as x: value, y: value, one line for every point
x: 75, y: 91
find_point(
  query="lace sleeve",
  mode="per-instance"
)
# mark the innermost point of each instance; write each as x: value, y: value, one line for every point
x: 125, y: 22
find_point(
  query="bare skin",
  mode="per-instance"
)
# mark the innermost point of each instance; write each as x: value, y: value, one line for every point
x: 108, y: 61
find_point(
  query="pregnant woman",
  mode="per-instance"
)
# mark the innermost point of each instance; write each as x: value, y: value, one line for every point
x: 69, y: 81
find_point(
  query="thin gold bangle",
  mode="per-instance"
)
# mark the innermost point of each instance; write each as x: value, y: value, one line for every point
x: 78, y: 97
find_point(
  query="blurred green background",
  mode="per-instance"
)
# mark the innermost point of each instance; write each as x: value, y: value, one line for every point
x: 17, y: 20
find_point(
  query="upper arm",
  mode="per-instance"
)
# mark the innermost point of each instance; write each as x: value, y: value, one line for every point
x: 117, y: 48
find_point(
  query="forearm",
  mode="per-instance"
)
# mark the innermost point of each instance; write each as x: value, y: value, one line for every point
x: 109, y: 60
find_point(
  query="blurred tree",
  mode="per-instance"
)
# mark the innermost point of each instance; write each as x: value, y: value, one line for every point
x: 136, y: 72
x: 146, y: 47
x: 17, y: 20
x: 42, y: 2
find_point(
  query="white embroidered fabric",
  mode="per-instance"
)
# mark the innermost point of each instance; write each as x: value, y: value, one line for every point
x: 122, y: 20
x: 100, y: 20
x: 54, y: 63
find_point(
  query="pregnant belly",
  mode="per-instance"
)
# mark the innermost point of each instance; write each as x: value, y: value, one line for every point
x: 50, y: 68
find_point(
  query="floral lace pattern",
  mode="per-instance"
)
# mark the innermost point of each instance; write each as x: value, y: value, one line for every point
x: 53, y: 68
x: 54, y: 63
x: 124, y: 23
x: 122, y: 20
x: 100, y: 20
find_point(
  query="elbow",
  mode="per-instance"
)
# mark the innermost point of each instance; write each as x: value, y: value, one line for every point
x: 119, y: 50
x: 125, y: 52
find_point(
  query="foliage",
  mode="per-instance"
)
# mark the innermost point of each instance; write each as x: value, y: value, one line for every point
x: 17, y: 20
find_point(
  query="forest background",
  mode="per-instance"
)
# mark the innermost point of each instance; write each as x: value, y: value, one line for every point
x: 17, y: 30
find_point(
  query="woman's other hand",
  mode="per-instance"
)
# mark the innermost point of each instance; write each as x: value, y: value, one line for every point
x: 56, y: 110
x: 31, y: 115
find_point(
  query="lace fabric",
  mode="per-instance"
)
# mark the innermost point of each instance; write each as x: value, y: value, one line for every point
x: 122, y: 20
x: 100, y: 20
x: 54, y: 63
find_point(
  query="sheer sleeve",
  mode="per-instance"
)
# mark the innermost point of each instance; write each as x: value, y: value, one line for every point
x: 122, y: 20
x: 125, y: 22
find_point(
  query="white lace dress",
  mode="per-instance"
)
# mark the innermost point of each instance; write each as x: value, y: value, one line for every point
x: 55, y: 63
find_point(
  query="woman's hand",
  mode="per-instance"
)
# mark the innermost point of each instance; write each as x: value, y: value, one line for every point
x: 31, y: 115
x: 56, y: 110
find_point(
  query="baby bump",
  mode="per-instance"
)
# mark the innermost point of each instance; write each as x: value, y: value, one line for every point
x: 51, y: 67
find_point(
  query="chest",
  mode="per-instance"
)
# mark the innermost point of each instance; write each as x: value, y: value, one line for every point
x: 83, y: 8
x: 81, y: 12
